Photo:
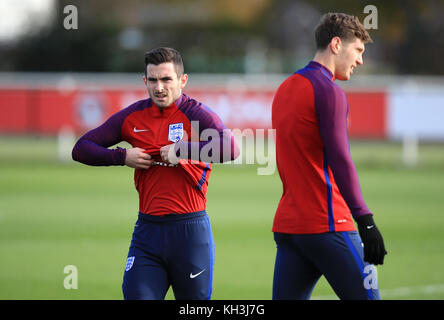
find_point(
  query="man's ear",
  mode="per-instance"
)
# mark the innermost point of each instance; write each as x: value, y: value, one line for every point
x: 183, y: 80
x: 335, y: 45
x: 145, y: 80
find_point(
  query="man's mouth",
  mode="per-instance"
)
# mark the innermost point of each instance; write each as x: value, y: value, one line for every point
x: 160, y: 95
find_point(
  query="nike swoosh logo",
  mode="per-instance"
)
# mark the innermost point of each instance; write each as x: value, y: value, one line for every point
x: 369, y: 227
x: 192, y: 276
x: 140, y: 130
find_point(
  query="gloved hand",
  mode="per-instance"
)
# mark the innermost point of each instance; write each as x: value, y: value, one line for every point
x: 374, y: 249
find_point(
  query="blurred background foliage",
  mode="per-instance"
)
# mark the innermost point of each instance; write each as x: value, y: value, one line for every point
x: 218, y: 36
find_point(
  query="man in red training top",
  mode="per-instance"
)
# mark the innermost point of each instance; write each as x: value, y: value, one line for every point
x: 172, y: 242
x: 313, y: 226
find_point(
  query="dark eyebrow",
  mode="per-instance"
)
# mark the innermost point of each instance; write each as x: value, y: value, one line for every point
x: 162, y: 79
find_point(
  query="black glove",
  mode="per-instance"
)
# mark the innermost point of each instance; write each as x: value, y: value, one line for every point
x: 374, y: 249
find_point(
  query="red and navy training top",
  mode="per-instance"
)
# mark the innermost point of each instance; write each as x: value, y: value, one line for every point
x: 163, y: 189
x: 321, y: 191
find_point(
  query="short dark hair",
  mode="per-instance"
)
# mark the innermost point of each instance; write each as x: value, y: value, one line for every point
x: 339, y: 25
x: 162, y: 55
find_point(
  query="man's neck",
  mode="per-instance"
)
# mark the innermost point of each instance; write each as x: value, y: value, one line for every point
x: 326, y: 60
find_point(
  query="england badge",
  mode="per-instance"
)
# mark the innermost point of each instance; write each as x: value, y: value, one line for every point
x: 129, y: 263
x: 175, y: 132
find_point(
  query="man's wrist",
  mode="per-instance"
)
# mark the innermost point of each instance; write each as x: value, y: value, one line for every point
x: 119, y: 156
x: 365, y: 220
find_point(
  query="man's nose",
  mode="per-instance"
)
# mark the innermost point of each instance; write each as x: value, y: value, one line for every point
x: 158, y: 86
x: 359, y: 61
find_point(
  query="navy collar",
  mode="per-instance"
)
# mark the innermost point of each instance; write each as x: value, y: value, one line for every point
x: 178, y: 102
x: 324, y: 70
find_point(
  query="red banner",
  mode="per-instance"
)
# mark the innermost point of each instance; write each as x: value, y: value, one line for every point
x: 47, y: 111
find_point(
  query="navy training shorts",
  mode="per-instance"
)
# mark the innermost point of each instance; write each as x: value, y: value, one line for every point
x: 301, y: 259
x: 175, y: 250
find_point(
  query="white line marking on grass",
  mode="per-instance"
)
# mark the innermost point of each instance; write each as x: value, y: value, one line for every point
x: 398, y: 292
x: 408, y: 291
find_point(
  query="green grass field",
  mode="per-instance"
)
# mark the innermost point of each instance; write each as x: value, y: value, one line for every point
x: 55, y: 214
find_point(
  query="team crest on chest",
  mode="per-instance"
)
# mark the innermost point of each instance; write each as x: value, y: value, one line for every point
x: 175, y: 132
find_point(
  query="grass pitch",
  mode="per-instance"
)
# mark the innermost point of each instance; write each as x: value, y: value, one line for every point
x: 56, y: 214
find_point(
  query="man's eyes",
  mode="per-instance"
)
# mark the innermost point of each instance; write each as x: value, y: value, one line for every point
x: 162, y: 79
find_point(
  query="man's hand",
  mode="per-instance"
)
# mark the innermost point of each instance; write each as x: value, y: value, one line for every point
x: 374, y: 249
x: 137, y: 158
x: 168, y: 154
